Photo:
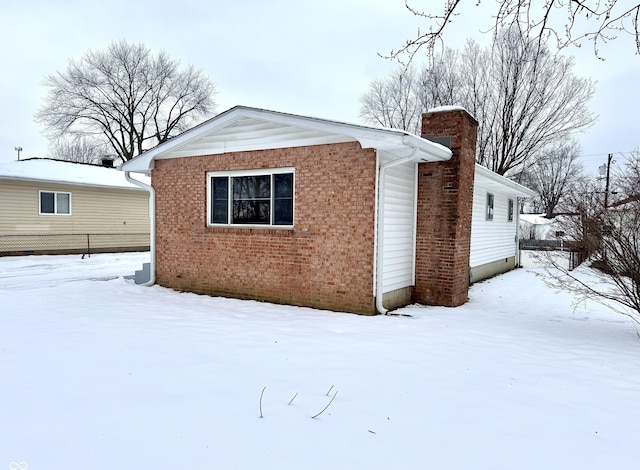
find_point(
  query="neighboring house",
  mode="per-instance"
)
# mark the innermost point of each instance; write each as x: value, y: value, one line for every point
x: 292, y: 209
x: 536, y: 227
x: 53, y: 206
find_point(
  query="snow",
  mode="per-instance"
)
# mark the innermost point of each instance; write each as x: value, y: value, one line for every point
x: 99, y: 373
x: 442, y: 109
x: 58, y: 171
x: 535, y: 219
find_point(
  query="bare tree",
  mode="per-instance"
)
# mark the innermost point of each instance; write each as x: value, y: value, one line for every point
x: 125, y: 97
x: 77, y: 149
x: 629, y: 180
x: 611, y: 238
x: 524, y: 98
x: 442, y: 81
x: 565, y: 22
x: 539, y: 103
x: 554, y: 175
x: 394, y: 101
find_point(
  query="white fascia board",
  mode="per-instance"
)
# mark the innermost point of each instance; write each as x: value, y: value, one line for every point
x: 427, y: 151
x: 505, y: 184
x: 396, y: 142
x: 143, y: 163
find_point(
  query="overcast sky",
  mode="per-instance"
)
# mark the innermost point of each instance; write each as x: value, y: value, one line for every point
x: 311, y: 58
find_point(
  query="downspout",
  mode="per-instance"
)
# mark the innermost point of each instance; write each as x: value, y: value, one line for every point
x: 379, y: 255
x: 517, y: 210
x: 152, y: 225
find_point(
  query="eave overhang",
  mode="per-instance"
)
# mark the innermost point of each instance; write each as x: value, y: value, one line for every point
x: 244, y: 129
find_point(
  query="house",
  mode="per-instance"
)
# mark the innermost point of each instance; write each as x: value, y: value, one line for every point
x: 293, y: 209
x: 495, y: 224
x: 52, y: 206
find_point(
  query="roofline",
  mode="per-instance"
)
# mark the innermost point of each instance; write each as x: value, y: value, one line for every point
x: 368, y: 136
x: 71, y: 183
x: 522, y: 191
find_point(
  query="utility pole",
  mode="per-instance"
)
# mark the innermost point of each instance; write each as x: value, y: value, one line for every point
x: 18, y: 149
x: 606, y: 187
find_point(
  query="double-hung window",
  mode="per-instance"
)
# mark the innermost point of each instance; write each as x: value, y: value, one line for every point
x: 258, y: 197
x: 54, y: 202
x: 489, y: 207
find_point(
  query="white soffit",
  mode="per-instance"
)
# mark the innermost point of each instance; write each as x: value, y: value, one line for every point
x: 496, y: 182
x: 245, y: 129
x: 249, y: 133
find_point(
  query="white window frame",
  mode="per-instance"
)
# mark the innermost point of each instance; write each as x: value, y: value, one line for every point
x: 240, y: 173
x: 490, y: 206
x: 510, y: 209
x: 55, y: 202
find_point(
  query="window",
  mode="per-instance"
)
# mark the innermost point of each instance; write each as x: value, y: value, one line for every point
x: 53, y: 202
x: 489, y: 211
x: 261, y: 197
x: 510, y: 213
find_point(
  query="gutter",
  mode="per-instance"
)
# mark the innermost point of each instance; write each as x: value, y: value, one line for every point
x: 380, y: 231
x: 152, y: 225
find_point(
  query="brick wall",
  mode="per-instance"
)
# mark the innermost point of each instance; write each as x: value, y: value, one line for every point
x: 326, y: 261
x: 445, y: 198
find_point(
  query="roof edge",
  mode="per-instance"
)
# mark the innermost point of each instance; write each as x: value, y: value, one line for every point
x: 368, y: 136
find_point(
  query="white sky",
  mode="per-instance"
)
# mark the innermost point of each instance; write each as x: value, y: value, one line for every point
x: 310, y: 58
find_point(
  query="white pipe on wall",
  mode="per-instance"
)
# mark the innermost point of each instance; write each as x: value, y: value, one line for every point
x: 152, y: 225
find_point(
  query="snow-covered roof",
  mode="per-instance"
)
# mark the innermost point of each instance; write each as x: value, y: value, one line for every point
x: 243, y: 128
x: 57, y: 171
x: 535, y: 219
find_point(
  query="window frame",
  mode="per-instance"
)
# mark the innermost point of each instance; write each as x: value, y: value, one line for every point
x: 489, y: 208
x: 510, y: 210
x: 55, y: 202
x: 244, y: 173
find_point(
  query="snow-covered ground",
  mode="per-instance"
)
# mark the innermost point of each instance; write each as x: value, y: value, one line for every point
x: 99, y: 373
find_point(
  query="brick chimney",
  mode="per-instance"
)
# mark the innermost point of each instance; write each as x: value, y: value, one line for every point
x: 445, y: 199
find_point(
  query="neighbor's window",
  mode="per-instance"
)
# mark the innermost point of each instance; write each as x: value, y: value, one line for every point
x: 53, y: 202
x: 510, y: 216
x: 261, y: 197
x: 489, y: 211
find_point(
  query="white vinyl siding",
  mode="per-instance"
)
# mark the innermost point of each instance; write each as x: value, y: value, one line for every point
x: 495, y: 239
x: 399, y: 228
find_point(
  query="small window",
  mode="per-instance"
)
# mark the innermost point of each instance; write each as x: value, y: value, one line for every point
x: 53, y: 202
x: 510, y: 213
x: 251, y: 198
x: 489, y: 211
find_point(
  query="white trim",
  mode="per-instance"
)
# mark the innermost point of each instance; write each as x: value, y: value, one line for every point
x: 253, y: 172
x: 55, y: 203
x: 393, y: 141
x: 499, y: 183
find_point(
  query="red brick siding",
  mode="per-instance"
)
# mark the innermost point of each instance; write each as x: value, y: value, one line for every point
x: 445, y: 199
x: 326, y: 261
